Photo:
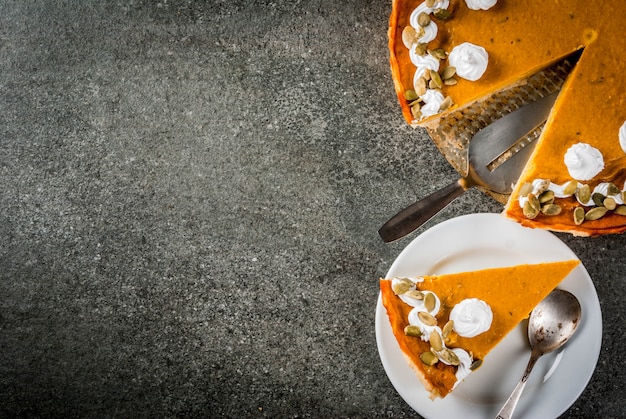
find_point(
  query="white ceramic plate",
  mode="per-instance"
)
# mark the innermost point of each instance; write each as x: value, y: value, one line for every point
x: 481, y: 241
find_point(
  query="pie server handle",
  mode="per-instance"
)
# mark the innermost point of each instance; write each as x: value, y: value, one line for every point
x: 413, y: 216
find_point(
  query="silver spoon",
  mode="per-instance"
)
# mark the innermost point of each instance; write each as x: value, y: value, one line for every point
x: 551, y: 324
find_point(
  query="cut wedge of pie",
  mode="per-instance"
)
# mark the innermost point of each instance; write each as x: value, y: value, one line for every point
x: 448, y: 61
x: 446, y: 325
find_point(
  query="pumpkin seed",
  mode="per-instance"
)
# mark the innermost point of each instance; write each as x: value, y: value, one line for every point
x: 435, y: 340
x: 448, y: 72
x: 420, y: 49
x: 429, y: 302
x: 416, y: 111
x: 542, y: 185
x: 430, y: 3
x: 412, y: 330
x: 429, y: 358
x: 529, y: 211
x: 423, y: 19
x: 409, y: 36
x: 420, y: 86
x: 546, y: 197
x: 448, y: 356
x: 623, y: 196
x: 584, y: 193
x: 621, y: 210
x: 435, y: 80
x: 612, y: 189
x: 525, y: 189
x: 410, y: 95
x: 595, y: 213
x: 405, y: 280
x: 438, y: 53
x: 427, y: 318
x: 441, y: 14
x: 598, y: 198
x: 551, y: 209
x: 534, y: 201
x: 476, y: 364
x: 400, y: 288
x: 579, y: 215
x: 447, y: 329
x: 416, y: 294
x: 570, y: 188
x: 446, y: 104
x: 450, y: 82
x: 609, y: 203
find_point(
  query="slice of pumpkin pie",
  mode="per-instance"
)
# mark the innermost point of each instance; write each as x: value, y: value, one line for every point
x: 446, y: 325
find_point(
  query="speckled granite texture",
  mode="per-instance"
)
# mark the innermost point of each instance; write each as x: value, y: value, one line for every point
x: 189, y: 199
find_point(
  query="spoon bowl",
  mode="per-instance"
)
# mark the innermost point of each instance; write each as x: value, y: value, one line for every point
x: 551, y: 324
x: 554, y: 321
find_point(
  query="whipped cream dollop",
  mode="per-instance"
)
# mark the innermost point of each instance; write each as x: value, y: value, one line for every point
x: 603, y: 189
x: 432, y: 102
x: 469, y: 60
x: 419, y: 304
x: 425, y: 329
x: 430, y: 32
x: 423, y: 8
x: 559, y: 190
x: 480, y: 4
x: 471, y: 317
x: 583, y: 161
x: 422, y: 62
x: 622, y: 137
x: 539, y: 186
x: 464, y: 368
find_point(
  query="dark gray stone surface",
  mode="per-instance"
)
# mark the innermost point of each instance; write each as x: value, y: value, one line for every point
x: 189, y: 199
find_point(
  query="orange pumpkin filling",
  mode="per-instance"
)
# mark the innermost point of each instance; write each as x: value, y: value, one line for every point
x: 510, y: 292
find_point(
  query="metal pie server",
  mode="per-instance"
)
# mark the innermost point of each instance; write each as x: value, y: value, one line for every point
x: 497, y: 155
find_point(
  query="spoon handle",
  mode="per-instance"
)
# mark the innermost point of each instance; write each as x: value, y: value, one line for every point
x: 507, y: 410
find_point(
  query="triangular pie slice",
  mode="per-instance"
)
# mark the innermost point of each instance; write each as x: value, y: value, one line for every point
x: 521, y: 38
x: 509, y: 293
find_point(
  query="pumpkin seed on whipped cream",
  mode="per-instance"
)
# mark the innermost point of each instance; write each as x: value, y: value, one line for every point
x: 468, y: 318
x: 466, y: 60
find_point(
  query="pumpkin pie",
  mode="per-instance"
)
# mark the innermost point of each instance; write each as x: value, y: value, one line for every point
x: 446, y: 325
x: 450, y: 55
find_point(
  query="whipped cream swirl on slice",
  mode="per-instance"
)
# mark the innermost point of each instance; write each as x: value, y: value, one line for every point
x: 432, y: 102
x: 480, y: 4
x: 419, y: 304
x: 430, y: 32
x: 583, y: 161
x: 471, y: 317
x: 464, y: 368
x: 603, y: 189
x: 425, y: 329
x: 423, y: 62
x: 539, y: 186
x: 559, y: 190
x: 469, y: 60
x: 622, y: 137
